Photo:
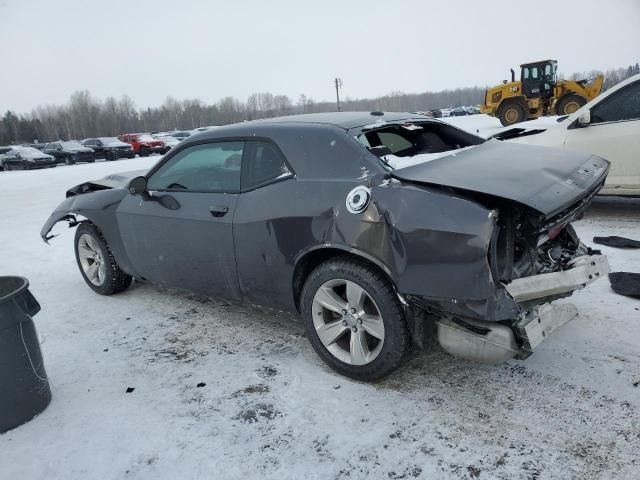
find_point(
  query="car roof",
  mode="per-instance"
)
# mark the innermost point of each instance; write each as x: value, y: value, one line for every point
x: 346, y: 120
x: 343, y: 120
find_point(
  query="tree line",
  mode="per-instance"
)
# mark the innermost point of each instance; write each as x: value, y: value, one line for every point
x: 86, y: 116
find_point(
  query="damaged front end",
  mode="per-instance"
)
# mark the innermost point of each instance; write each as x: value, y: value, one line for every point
x: 536, y: 262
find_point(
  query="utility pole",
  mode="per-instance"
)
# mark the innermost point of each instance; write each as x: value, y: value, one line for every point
x: 338, y: 83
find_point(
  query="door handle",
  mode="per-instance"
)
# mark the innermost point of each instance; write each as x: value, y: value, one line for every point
x: 219, y: 210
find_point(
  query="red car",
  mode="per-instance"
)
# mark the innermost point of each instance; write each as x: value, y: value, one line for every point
x: 144, y: 144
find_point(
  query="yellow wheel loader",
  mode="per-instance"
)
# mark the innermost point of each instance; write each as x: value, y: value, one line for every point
x: 538, y: 93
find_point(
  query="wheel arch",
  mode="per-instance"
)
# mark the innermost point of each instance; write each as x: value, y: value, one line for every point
x: 310, y: 258
x: 508, y: 100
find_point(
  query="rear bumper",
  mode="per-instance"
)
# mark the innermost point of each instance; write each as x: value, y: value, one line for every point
x: 493, y: 342
x: 584, y: 270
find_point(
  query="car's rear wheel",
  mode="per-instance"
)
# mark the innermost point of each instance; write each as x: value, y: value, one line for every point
x: 144, y: 152
x: 96, y: 262
x: 68, y: 161
x: 354, y: 320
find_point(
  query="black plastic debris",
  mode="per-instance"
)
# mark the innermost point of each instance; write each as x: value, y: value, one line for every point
x: 625, y: 283
x: 617, y: 242
x: 24, y: 386
x: 201, y: 384
x: 130, y: 389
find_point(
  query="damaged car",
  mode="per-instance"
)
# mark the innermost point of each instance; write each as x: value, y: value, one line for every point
x: 382, y: 230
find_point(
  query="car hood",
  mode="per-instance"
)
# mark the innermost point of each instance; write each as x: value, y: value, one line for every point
x: 118, y: 180
x: 545, y: 179
x: 78, y: 150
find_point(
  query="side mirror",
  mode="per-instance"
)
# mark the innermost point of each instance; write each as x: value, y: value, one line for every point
x: 138, y: 186
x: 585, y: 118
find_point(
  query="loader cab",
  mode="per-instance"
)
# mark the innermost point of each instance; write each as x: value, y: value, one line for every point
x: 538, y: 78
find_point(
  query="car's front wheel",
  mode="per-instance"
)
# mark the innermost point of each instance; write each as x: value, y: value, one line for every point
x: 354, y: 320
x: 96, y: 262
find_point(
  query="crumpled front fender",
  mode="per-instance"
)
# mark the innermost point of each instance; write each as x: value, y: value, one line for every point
x: 65, y: 211
x: 98, y: 206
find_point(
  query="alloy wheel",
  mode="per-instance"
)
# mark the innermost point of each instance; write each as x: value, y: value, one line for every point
x: 348, y: 322
x: 91, y: 259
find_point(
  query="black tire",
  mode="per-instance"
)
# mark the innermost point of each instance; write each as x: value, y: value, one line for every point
x: 115, y: 280
x: 92, y: 159
x: 68, y: 161
x: 570, y: 103
x: 144, y: 152
x: 396, y: 341
x: 512, y: 112
x: 109, y: 156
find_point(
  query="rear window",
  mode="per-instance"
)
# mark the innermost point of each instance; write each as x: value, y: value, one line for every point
x: 401, y: 145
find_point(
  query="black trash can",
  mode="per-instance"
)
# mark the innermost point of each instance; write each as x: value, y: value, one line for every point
x: 24, y: 387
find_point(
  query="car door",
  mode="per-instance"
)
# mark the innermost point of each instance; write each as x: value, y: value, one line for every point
x: 180, y: 235
x: 55, y: 150
x: 263, y: 237
x: 614, y: 133
x: 47, y: 148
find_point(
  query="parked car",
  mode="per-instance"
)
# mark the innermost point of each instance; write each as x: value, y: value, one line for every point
x: 37, y: 146
x: 143, y: 143
x: 69, y: 153
x: 376, y: 228
x: 3, y: 152
x: 459, y: 112
x: 168, y: 140
x: 27, y: 158
x: 109, y: 148
x: 180, y: 134
x: 609, y: 125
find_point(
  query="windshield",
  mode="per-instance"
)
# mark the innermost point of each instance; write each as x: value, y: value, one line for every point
x: 145, y: 138
x: 402, y: 145
x: 28, y: 151
x: 71, y: 145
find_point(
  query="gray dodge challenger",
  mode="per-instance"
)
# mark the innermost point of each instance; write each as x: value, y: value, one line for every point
x: 382, y: 230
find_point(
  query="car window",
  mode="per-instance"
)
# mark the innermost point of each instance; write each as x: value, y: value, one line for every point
x: 621, y: 105
x: 263, y: 163
x: 394, y: 142
x: 212, y: 167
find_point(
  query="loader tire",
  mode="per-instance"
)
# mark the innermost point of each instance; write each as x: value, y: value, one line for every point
x: 569, y: 104
x: 512, y: 112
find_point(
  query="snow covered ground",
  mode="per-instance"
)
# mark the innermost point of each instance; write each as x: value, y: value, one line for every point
x: 267, y: 407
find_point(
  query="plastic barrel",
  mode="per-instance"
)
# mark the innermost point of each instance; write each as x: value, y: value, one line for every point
x: 24, y: 387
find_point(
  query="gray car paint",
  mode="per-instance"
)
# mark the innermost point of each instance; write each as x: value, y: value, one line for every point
x: 431, y: 240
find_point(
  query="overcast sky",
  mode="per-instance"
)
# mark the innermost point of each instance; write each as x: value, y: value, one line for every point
x: 211, y: 49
